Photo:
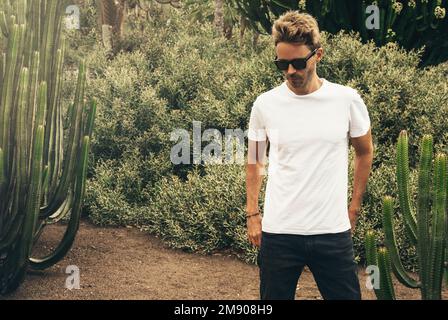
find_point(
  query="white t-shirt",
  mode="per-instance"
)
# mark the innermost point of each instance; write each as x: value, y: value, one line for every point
x: 306, y: 191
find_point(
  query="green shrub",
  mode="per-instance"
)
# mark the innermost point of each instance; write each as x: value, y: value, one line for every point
x: 398, y: 94
x: 179, y: 72
x: 145, y: 94
x: 112, y: 191
x: 204, y: 213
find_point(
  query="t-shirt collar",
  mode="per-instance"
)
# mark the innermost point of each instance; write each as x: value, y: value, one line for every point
x: 293, y: 94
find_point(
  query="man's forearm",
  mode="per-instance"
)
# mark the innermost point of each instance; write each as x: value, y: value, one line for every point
x: 363, y: 165
x: 253, y: 186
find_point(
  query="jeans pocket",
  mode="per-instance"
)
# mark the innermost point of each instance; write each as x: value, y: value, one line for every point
x: 335, y: 244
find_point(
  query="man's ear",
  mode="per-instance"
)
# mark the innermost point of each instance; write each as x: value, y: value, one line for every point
x: 320, y: 54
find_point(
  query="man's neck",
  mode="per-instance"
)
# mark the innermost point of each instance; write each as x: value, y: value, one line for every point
x: 310, y: 87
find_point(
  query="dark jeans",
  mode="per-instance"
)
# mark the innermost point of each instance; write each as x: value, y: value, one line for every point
x: 330, y: 258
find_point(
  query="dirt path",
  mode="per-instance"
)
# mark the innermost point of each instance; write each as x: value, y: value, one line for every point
x: 124, y: 263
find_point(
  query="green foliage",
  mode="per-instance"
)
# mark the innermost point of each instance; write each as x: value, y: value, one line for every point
x: 425, y: 225
x: 371, y: 219
x: 413, y: 24
x: 204, y: 10
x: 204, y: 213
x: 43, y: 175
x: 398, y: 94
x: 89, y: 33
x: 146, y: 94
x: 179, y: 71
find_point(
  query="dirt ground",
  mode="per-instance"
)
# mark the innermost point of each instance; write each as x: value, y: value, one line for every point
x: 124, y: 263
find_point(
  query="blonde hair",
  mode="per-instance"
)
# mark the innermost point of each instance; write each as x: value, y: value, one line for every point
x: 295, y: 27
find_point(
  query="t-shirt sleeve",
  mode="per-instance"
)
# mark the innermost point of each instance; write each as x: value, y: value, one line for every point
x: 359, y: 120
x: 257, y: 128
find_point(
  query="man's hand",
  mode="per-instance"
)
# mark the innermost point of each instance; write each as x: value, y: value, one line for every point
x: 353, y: 214
x: 254, y: 230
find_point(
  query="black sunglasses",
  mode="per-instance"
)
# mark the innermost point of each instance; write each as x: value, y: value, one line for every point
x: 298, y: 64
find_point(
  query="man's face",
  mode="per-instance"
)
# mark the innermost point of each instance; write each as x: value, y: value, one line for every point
x: 290, y: 51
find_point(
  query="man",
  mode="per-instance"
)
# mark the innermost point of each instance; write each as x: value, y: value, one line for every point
x: 308, y: 122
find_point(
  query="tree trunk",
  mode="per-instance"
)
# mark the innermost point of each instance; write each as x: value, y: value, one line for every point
x: 106, y: 33
x: 219, y: 16
x: 112, y: 13
x: 228, y: 30
x: 255, y: 39
x: 121, y: 17
x: 243, y: 27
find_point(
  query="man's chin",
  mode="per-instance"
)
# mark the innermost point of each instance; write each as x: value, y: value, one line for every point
x: 297, y: 83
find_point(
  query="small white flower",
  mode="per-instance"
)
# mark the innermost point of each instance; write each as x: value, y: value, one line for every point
x: 397, y: 6
x: 391, y: 45
x: 390, y: 33
x: 439, y: 12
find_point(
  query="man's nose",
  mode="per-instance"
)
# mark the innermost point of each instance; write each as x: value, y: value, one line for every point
x: 291, y: 69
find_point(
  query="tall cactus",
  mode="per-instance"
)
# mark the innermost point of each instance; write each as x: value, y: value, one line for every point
x: 427, y: 228
x: 42, y: 179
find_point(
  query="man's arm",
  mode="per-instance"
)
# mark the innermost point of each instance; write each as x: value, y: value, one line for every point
x: 254, y: 178
x: 363, y: 162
